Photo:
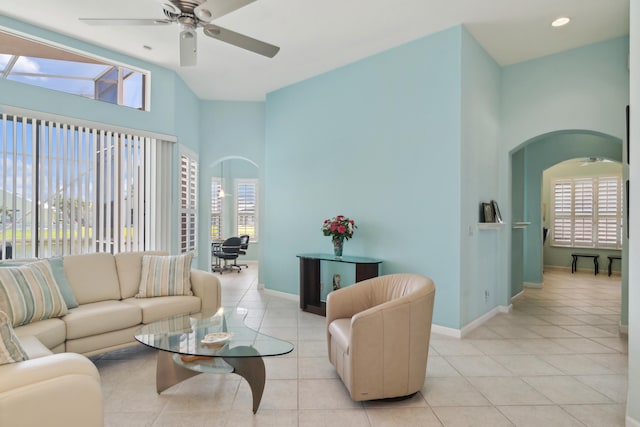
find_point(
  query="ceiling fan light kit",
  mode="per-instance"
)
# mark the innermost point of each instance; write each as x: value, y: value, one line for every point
x: 191, y: 14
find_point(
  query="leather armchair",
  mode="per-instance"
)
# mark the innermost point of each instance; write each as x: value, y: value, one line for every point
x: 378, y: 334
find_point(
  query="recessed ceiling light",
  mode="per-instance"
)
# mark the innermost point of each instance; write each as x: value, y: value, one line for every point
x: 561, y: 21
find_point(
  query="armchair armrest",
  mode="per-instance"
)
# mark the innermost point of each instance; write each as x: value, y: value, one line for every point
x: 53, y: 390
x: 206, y: 286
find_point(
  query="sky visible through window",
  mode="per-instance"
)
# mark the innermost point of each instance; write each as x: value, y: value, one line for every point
x: 37, y: 64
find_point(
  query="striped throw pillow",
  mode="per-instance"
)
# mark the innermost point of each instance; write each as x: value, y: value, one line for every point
x: 29, y: 293
x: 10, y: 349
x: 165, y: 276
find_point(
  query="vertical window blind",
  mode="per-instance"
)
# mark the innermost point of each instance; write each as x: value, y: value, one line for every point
x: 587, y: 212
x: 68, y: 189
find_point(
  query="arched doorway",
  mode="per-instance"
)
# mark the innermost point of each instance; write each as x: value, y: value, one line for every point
x: 528, y: 161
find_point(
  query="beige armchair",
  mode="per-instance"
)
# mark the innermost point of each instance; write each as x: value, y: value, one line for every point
x: 378, y: 334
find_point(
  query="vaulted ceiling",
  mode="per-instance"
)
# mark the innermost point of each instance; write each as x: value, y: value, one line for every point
x: 317, y: 36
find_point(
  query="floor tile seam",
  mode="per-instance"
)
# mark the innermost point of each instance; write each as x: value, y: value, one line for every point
x: 554, y: 405
x: 573, y: 377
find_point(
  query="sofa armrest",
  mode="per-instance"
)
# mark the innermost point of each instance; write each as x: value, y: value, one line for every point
x: 206, y: 286
x: 52, y: 390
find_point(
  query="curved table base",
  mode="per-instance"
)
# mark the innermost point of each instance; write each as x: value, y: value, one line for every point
x: 169, y: 373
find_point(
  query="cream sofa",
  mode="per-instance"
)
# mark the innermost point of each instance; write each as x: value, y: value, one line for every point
x: 50, y: 388
x: 378, y: 334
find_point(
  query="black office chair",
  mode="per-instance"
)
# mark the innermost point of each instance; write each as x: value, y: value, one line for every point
x: 228, y: 250
x: 244, y: 245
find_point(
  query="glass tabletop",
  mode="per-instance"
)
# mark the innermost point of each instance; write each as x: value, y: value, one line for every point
x: 220, y: 334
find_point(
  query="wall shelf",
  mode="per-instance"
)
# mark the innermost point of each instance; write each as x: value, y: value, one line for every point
x: 490, y: 225
x: 520, y: 224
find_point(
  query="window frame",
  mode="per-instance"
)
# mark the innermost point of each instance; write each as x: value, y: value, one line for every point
x: 217, y: 181
x: 66, y: 53
x: 188, y: 206
x: 585, y: 192
x: 253, y: 237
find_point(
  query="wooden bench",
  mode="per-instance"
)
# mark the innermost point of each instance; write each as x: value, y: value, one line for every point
x: 611, y: 258
x: 574, y: 262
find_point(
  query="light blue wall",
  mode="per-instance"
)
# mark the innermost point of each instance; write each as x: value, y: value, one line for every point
x: 583, y: 90
x: 481, y: 262
x: 232, y: 132
x: 378, y: 141
x: 174, y: 107
x: 539, y: 155
x: 161, y: 119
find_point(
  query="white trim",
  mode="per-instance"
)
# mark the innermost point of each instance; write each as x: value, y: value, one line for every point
x: 23, y: 112
x: 279, y: 294
x: 443, y: 330
x: 631, y: 422
x: 532, y: 285
x: 623, y: 329
x: 466, y: 329
x: 517, y: 296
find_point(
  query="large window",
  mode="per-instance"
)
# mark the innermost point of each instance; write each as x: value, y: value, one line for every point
x: 68, y: 189
x: 247, y: 208
x: 587, y: 212
x: 188, y: 201
x: 39, y: 64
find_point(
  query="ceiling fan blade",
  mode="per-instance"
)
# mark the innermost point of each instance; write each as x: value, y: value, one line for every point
x: 188, y: 48
x: 241, y: 40
x: 212, y: 9
x: 98, y: 21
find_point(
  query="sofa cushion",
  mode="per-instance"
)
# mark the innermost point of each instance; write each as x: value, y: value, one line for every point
x: 29, y: 293
x: 129, y: 266
x: 93, y: 277
x: 57, y: 267
x: 10, y: 349
x: 99, y: 317
x: 165, y: 276
x: 158, y: 308
x: 50, y: 332
x: 33, y: 347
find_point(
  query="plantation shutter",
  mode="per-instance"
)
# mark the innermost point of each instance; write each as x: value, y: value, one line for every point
x: 246, y: 208
x: 609, y: 212
x: 562, y: 212
x: 188, y: 203
x: 583, y: 212
x: 216, y: 209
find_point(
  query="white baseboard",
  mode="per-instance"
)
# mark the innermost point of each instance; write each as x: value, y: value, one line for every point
x: 443, y: 330
x: 480, y: 320
x: 532, y: 285
x: 284, y: 295
x: 517, y: 296
x: 623, y: 329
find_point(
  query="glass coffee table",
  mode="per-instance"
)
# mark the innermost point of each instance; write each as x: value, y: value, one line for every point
x: 217, y: 343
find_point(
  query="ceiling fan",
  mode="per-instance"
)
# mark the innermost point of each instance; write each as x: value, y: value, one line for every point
x: 591, y: 160
x: 191, y: 14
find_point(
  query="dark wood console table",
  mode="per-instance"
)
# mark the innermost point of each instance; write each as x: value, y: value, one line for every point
x: 366, y: 268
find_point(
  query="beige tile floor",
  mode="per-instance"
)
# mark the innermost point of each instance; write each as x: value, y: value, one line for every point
x: 556, y: 360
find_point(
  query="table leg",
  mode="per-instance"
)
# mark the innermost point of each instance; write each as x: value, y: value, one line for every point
x: 574, y: 261
x: 252, y: 370
x: 596, y: 268
x: 168, y: 373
